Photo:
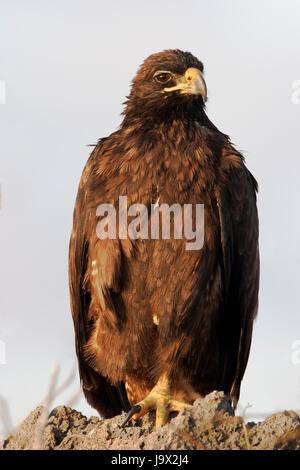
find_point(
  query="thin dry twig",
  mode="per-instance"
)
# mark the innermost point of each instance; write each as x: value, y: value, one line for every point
x: 5, y: 417
x: 37, y: 440
x: 52, y: 393
x: 244, y: 426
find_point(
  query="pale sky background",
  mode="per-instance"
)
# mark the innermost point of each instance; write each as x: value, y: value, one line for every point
x: 67, y: 67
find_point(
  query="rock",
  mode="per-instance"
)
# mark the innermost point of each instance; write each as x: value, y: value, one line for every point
x: 210, y: 424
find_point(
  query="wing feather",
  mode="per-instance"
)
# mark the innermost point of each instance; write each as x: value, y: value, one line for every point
x: 240, y: 263
x: 109, y: 400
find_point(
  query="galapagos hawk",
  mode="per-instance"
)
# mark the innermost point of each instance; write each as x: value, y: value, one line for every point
x: 158, y: 325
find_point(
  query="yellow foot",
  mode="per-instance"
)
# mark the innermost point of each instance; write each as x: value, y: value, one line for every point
x: 159, y: 399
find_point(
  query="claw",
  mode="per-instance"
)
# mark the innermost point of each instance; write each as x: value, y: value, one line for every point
x: 135, y: 409
x: 159, y: 399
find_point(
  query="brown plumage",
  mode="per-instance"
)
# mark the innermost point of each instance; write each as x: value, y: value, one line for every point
x: 143, y: 309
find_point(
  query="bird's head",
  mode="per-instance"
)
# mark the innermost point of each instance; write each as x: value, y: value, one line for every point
x: 168, y: 83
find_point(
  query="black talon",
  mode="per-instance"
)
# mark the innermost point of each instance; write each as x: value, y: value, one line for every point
x: 134, y: 409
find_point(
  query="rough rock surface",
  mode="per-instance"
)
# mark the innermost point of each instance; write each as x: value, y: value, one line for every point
x: 209, y: 424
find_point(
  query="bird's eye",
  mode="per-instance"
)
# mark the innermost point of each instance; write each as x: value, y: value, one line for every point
x: 163, y: 77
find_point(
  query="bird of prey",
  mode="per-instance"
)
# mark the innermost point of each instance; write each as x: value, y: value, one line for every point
x: 158, y: 325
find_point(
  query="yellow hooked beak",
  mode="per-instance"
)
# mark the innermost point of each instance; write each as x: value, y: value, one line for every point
x: 191, y: 83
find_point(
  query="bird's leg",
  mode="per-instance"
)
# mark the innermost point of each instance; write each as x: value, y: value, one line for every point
x: 158, y: 399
